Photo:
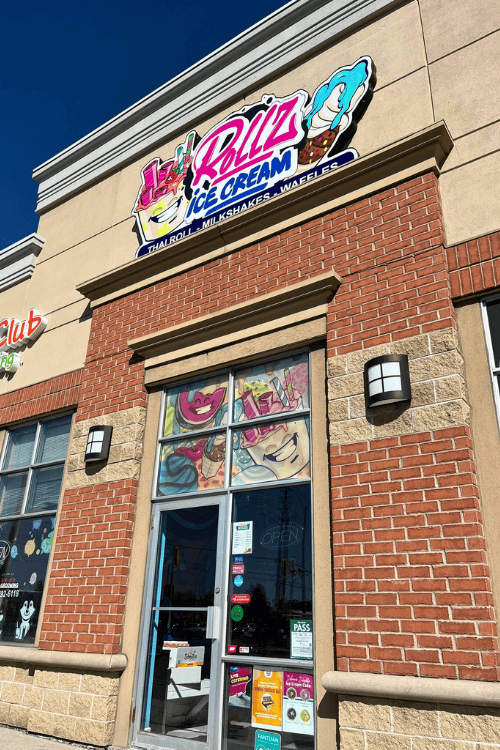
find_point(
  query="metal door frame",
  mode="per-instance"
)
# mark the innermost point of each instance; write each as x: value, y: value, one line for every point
x: 145, y: 739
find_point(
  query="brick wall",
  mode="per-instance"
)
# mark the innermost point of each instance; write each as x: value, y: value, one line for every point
x: 412, y: 586
x: 26, y: 403
x: 388, y: 250
x: 395, y: 233
x: 475, y: 265
x: 86, y: 596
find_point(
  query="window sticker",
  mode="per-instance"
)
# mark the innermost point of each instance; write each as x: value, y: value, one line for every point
x: 267, y: 740
x: 267, y: 699
x: 271, y: 451
x: 272, y: 388
x: 301, y: 639
x: 298, y: 703
x: 243, y: 538
x: 240, y: 679
x: 237, y: 613
x: 196, y: 406
x: 192, y: 465
x: 238, y: 581
x: 24, y: 553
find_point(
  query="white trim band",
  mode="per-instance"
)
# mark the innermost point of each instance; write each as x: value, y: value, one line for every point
x: 18, y: 261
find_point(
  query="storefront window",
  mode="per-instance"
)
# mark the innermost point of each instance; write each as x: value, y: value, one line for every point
x: 229, y: 652
x: 30, y: 484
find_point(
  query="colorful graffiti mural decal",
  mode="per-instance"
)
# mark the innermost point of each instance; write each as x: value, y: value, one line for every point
x: 252, y: 155
x: 264, y: 451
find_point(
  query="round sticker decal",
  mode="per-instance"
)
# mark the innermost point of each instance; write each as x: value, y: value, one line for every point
x: 237, y: 613
x: 238, y: 581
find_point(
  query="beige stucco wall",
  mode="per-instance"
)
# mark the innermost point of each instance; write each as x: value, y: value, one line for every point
x: 435, y: 59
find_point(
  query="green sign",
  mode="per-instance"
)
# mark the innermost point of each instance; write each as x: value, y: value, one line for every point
x: 237, y: 613
x: 267, y: 740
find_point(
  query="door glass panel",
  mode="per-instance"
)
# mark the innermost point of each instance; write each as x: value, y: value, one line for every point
x: 270, y: 585
x: 180, y: 648
x: 265, y: 709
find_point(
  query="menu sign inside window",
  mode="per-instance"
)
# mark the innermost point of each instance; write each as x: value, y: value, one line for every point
x: 258, y: 152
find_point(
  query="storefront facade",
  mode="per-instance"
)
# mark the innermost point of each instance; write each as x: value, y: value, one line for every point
x: 209, y: 537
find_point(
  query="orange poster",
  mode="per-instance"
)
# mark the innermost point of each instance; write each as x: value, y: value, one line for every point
x: 267, y: 699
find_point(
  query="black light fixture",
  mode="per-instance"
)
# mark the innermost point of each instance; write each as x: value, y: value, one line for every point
x: 98, y: 443
x: 387, y: 380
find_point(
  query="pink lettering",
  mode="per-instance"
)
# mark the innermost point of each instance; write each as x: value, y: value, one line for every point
x: 284, y: 117
x: 211, y: 152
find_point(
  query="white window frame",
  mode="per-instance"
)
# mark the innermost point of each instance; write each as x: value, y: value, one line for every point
x: 33, y: 466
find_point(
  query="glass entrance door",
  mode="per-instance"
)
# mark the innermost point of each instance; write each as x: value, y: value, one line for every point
x: 184, y: 611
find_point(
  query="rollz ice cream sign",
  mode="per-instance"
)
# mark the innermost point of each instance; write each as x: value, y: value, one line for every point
x: 15, y: 334
x: 252, y: 155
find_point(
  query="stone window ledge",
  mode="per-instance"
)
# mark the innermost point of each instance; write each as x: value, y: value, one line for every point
x: 425, y: 689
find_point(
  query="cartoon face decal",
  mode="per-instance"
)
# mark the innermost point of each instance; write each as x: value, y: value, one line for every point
x: 198, y: 410
x: 162, y: 202
x: 283, y: 450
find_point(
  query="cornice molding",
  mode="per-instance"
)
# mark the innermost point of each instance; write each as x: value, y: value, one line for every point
x: 18, y: 261
x: 421, y: 152
x: 63, y: 659
x: 266, y: 49
x: 422, y: 689
x: 202, y: 332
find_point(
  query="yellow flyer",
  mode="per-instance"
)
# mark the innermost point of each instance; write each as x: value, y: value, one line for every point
x: 267, y: 699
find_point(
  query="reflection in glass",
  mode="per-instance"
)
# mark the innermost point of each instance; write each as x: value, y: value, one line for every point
x: 192, y: 465
x: 186, y: 558
x: 493, y: 311
x: 277, y: 575
x: 241, y: 696
x: 20, y: 448
x: 176, y: 698
x: 196, y: 406
x: 271, y: 451
x: 272, y: 388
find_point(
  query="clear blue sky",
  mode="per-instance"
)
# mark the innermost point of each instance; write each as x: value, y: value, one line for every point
x: 68, y: 67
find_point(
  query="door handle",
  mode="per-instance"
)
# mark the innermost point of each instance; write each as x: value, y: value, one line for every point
x: 213, y: 623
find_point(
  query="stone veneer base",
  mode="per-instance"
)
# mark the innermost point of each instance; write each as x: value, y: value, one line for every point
x: 378, y: 724
x: 66, y: 703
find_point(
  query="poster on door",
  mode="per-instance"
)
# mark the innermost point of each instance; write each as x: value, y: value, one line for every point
x: 267, y: 699
x: 298, y: 703
x: 240, y: 681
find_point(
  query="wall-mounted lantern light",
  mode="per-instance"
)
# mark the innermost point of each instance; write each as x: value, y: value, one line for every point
x: 387, y: 380
x: 98, y: 442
